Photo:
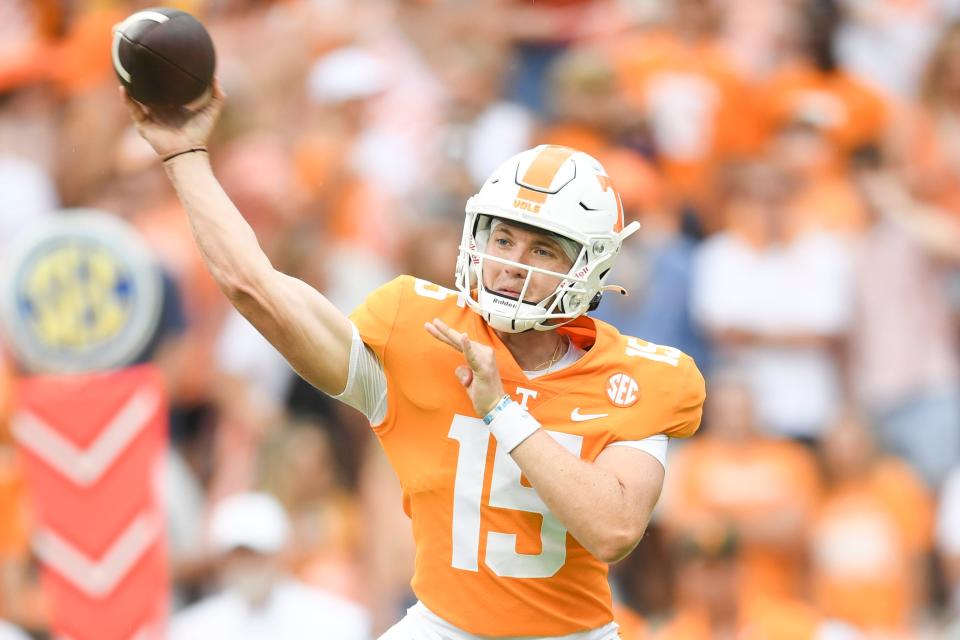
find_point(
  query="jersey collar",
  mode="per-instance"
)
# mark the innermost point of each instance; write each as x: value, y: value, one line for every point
x: 584, y: 331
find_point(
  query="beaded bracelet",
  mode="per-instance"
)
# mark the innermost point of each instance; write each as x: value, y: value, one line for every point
x: 497, y: 408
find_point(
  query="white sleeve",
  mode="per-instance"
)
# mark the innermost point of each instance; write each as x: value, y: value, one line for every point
x: 654, y: 445
x: 366, y: 388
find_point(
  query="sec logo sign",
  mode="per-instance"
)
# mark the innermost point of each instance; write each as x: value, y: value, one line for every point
x: 79, y: 293
x: 622, y: 390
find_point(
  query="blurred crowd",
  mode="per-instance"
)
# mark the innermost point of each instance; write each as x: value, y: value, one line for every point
x: 795, y: 165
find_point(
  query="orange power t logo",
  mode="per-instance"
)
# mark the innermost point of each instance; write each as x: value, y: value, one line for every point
x: 607, y: 185
x: 539, y: 175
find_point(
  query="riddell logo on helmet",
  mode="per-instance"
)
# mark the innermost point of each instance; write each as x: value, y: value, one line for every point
x: 503, y: 302
x: 523, y: 205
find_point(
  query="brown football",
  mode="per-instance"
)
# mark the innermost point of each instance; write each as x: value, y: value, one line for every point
x: 164, y: 57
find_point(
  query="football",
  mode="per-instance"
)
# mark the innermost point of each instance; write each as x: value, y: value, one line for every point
x: 164, y: 57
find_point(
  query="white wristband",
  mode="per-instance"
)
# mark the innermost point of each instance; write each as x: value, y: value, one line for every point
x: 512, y: 425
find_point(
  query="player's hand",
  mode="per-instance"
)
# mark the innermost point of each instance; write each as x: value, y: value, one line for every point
x: 481, y: 377
x: 175, y: 130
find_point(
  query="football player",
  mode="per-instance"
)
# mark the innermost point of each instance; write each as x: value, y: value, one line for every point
x: 529, y: 439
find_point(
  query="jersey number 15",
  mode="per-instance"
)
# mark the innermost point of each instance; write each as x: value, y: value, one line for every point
x: 506, y: 492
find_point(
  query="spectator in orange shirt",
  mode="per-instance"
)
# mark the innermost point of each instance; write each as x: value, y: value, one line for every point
x: 710, y: 604
x: 696, y: 104
x: 762, y: 490
x: 815, y: 90
x: 823, y: 198
x: 871, y: 535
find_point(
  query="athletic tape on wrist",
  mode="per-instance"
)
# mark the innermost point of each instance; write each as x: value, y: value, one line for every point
x: 511, y: 425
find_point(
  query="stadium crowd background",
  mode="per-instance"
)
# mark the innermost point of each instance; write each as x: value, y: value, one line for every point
x: 796, y: 168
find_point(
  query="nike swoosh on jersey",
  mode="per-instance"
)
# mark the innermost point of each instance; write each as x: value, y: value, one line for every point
x: 576, y: 416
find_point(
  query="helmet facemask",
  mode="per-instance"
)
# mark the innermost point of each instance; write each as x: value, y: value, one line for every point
x: 571, y: 298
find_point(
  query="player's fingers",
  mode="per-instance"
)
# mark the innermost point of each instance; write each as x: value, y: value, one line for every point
x: 455, y: 337
x: 217, y: 98
x: 450, y: 333
x: 465, y: 375
x: 466, y: 345
x: 433, y: 330
x: 218, y: 92
x: 468, y: 352
x: 136, y: 110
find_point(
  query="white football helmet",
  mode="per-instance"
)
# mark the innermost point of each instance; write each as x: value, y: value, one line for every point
x: 561, y: 191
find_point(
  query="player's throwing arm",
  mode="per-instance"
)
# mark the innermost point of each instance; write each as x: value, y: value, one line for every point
x: 312, y: 334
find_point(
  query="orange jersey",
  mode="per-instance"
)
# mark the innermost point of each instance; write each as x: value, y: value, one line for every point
x: 866, y: 543
x: 491, y: 559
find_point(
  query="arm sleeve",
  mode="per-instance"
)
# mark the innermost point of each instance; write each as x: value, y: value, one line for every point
x: 373, y: 324
x: 366, y: 389
x: 654, y: 445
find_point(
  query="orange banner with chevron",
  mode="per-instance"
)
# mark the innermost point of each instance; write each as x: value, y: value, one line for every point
x: 93, y: 446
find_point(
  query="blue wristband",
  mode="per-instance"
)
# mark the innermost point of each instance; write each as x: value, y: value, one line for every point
x: 500, y: 406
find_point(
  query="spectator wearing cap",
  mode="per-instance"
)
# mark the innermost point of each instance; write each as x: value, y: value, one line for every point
x: 257, y: 598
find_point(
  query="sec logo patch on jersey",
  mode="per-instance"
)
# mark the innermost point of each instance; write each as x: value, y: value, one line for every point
x: 622, y: 390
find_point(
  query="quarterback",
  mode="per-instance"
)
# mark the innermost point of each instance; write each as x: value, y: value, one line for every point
x: 529, y: 439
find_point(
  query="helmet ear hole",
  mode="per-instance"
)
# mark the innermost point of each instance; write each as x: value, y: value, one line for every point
x: 595, y: 302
